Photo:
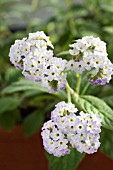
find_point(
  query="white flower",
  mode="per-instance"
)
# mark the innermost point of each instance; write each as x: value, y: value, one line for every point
x: 74, y: 52
x: 88, y: 62
x: 88, y: 41
x: 68, y: 129
x: 107, y: 67
x: 52, y: 74
x: 53, y: 70
x: 53, y: 140
x: 72, y: 120
x: 93, y: 56
x: 80, y: 127
x: 70, y: 65
x: 40, y: 35
x: 29, y: 65
x: 56, y: 134
x: 80, y: 46
x: 79, y: 67
x: 84, y: 117
x: 16, y: 55
x: 62, y: 143
x: 98, y: 61
x: 25, y: 49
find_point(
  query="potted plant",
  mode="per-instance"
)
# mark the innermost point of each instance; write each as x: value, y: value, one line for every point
x: 76, y: 125
x: 23, y: 102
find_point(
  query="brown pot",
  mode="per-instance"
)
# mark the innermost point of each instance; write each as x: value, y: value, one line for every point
x: 20, y: 153
x: 97, y: 161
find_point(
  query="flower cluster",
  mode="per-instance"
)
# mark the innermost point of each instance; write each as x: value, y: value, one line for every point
x: 34, y: 55
x: 90, y: 54
x: 35, y: 45
x: 54, y: 140
x: 68, y: 129
x: 53, y: 75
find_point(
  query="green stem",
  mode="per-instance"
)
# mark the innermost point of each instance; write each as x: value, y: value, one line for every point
x: 85, y: 88
x: 78, y: 83
x: 69, y: 92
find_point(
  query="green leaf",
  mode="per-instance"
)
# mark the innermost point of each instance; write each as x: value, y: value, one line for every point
x: 62, y: 95
x: 8, y: 104
x: 67, y: 162
x: 33, y: 122
x: 93, y: 104
x: 107, y: 7
x: 12, y: 75
x: 40, y: 100
x: 26, y: 85
x: 9, y: 119
x: 106, y: 140
x: 63, y: 53
x: 108, y: 100
x: 23, y: 85
x: 100, y: 105
x: 108, y: 29
x: 30, y: 94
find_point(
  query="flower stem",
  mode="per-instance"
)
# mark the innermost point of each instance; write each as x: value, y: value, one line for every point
x: 78, y: 83
x: 70, y: 92
x: 85, y: 88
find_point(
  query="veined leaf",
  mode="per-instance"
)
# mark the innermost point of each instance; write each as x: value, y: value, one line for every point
x: 67, y: 162
x: 41, y: 99
x: 23, y: 85
x: 30, y: 94
x: 100, y: 105
x: 12, y: 75
x: 93, y: 104
x: 26, y: 85
x: 108, y: 100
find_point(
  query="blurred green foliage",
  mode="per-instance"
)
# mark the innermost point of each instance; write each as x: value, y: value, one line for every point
x: 28, y: 103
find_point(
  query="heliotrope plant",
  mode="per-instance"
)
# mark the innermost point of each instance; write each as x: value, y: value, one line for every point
x: 69, y: 126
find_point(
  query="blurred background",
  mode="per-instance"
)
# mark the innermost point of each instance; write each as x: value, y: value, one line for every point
x: 25, y: 103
